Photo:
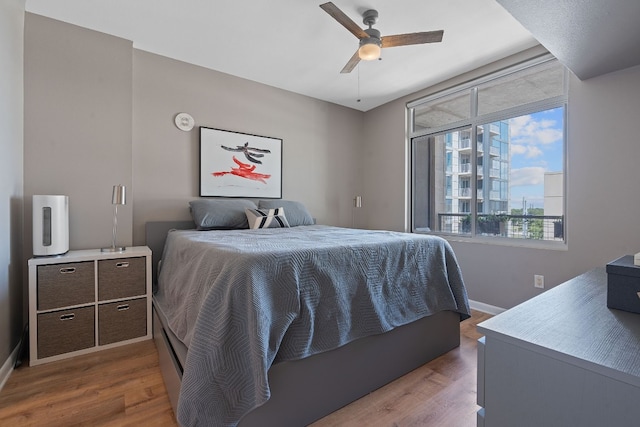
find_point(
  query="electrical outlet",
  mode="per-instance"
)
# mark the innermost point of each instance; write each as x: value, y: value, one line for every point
x: 538, y: 281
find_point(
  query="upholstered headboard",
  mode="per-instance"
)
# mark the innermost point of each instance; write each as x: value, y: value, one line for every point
x: 156, y: 234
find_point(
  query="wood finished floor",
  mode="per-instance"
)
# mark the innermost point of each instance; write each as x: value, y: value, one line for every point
x: 124, y: 387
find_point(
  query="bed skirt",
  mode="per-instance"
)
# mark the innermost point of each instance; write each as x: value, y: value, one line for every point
x: 303, y: 391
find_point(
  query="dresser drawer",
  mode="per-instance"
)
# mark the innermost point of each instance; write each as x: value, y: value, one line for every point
x: 65, y: 331
x: 121, y: 278
x: 123, y: 320
x: 63, y: 285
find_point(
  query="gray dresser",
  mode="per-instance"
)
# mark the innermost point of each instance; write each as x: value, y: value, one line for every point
x: 561, y: 359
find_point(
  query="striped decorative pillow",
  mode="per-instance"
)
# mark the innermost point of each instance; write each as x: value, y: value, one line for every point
x: 266, y: 218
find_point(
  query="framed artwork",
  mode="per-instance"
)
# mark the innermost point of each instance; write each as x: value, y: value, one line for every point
x: 235, y: 164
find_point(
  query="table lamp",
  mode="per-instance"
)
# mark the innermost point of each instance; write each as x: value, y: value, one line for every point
x: 118, y: 197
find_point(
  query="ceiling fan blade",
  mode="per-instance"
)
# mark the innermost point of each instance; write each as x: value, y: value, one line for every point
x: 351, y: 64
x: 412, y: 38
x: 347, y: 22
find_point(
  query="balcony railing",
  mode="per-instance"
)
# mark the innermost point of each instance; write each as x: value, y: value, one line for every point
x: 535, y: 227
x: 464, y: 144
x: 464, y: 192
x: 464, y: 168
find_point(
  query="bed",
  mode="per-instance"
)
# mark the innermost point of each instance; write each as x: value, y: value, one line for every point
x: 250, y: 333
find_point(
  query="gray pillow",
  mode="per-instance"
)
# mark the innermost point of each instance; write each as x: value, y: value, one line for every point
x: 297, y: 213
x: 220, y: 214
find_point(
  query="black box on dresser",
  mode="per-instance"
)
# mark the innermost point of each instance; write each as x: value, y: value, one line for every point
x: 623, y: 284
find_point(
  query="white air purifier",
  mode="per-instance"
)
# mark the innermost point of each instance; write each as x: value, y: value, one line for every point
x: 50, y: 225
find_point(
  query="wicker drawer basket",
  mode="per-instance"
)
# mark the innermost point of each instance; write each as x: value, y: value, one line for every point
x: 121, y: 278
x: 65, y: 331
x: 64, y: 285
x: 123, y: 320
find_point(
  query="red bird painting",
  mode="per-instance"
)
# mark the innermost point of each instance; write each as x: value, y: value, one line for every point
x: 245, y: 170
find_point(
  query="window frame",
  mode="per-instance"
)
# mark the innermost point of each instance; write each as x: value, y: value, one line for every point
x: 473, y: 122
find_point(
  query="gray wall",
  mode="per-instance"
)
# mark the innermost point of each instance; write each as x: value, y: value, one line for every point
x: 602, y: 188
x: 78, y: 115
x: 321, y: 165
x: 11, y: 145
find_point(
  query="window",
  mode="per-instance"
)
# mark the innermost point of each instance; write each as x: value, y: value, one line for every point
x: 488, y: 159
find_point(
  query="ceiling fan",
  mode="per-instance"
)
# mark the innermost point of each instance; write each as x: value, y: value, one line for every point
x: 370, y: 41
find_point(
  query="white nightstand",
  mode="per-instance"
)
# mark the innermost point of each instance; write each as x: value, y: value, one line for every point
x: 88, y: 300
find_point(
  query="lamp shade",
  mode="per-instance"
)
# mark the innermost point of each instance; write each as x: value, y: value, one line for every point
x: 119, y: 196
x: 369, y: 50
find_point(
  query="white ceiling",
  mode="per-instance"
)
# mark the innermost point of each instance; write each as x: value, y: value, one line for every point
x: 590, y: 38
x: 296, y: 46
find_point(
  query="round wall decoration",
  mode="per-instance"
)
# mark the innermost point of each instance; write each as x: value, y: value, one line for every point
x: 184, y: 121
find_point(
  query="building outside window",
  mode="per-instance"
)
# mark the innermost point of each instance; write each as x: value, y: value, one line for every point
x: 488, y: 158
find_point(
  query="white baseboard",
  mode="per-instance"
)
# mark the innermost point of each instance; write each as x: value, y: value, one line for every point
x: 485, y: 308
x: 7, y: 367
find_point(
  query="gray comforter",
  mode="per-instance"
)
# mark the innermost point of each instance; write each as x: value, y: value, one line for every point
x: 242, y: 300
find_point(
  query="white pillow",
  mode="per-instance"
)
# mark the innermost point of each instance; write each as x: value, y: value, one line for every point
x: 266, y: 218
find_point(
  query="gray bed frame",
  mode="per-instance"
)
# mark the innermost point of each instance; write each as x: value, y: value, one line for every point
x: 306, y: 390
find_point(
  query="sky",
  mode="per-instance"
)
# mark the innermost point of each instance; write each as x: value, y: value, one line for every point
x: 536, y: 148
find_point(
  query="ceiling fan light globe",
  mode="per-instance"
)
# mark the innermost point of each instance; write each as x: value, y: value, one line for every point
x: 369, y: 51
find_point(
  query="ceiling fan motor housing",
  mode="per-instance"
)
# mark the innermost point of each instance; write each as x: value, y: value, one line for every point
x: 374, y: 37
x: 370, y: 17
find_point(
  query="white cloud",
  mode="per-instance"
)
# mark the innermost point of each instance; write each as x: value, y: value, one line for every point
x: 517, y: 125
x: 549, y: 136
x: 518, y: 149
x: 533, y: 151
x: 530, y: 150
x: 526, y: 176
x: 527, y: 131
